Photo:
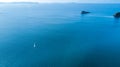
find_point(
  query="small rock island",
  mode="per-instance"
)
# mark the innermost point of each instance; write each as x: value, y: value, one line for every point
x: 84, y: 12
x: 117, y: 15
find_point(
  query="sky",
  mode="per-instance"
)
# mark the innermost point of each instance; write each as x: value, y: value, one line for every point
x: 62, y: 1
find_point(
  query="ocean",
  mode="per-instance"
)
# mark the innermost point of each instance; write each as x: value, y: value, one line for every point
x: 57, y: 35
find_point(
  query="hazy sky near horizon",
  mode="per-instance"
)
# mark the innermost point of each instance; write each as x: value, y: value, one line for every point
x: 59, y: 1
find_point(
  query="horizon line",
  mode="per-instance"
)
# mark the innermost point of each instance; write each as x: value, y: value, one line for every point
x: 64, y: 2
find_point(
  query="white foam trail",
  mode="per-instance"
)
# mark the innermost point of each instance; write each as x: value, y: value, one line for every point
x: 101, y: 16
x: 108, y: 16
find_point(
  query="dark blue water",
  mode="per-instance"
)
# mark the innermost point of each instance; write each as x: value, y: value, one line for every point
x: 62, y: 37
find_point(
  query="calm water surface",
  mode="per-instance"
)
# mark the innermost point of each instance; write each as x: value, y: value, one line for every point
x: 62, y: 37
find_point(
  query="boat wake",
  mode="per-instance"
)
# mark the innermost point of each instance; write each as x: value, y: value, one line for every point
x: 101, y: 16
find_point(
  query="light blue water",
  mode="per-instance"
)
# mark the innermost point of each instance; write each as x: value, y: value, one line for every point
x: 62, y: 37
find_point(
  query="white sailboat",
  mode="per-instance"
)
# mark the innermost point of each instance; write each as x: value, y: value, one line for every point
x: 34, y: 45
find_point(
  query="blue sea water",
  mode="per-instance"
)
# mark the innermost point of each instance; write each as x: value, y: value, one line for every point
x: 57, y: 35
